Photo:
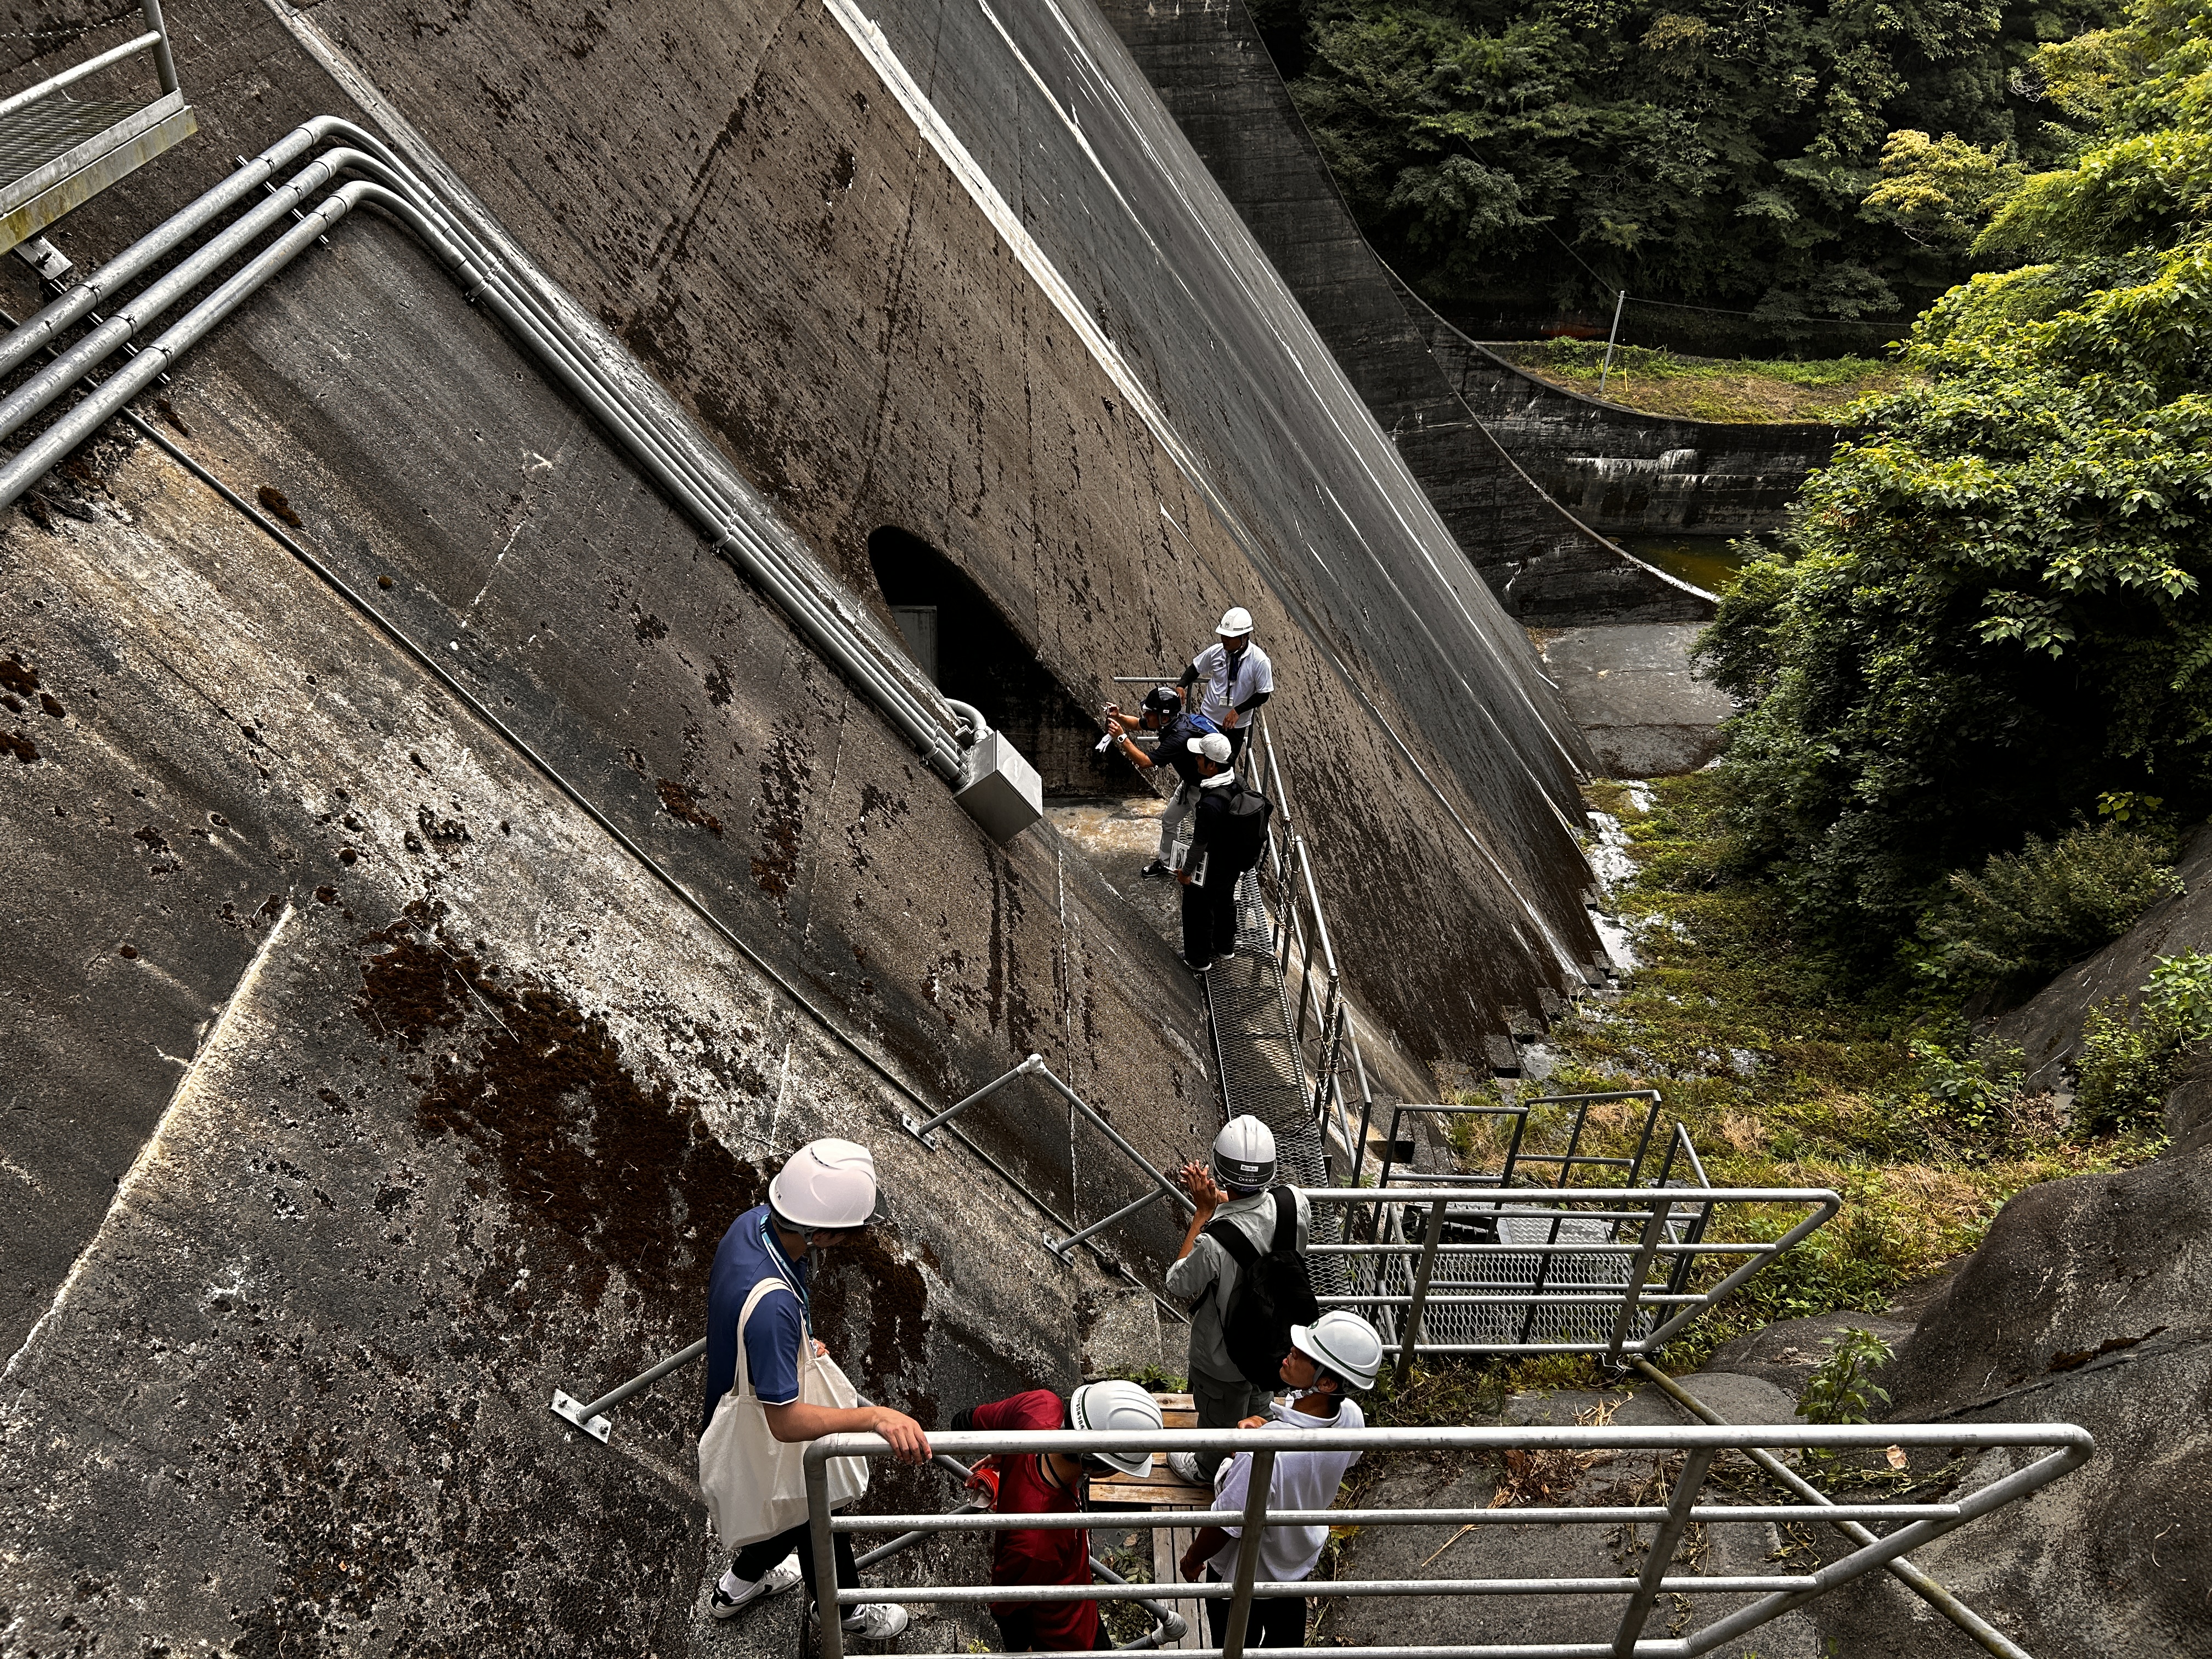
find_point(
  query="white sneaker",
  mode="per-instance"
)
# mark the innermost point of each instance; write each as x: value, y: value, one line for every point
x: 733, y: 1592
x: 1184, y: 1466
x: 877, y: 1621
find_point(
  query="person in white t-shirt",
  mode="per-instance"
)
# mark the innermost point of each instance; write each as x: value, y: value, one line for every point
x: 1338, y: 1352
x: 1232, y: 676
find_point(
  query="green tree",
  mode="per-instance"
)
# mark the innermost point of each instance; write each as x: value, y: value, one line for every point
x: 1989, y: 611
x: 1696, y: 150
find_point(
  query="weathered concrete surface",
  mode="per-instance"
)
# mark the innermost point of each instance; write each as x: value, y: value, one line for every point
x: 415, y: 1096
x: 1547, y: 567
x: 1556, y: 1551
x: 1637, y: 696
x: 2047, y: 1027
x: 2086, y: 1303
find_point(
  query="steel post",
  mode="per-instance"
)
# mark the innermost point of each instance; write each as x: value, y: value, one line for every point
x: 1985, y: 1634
x: 165, y: 64
x: 1061, y: 1247
x: 1694, y: 1463
x: 829, y: 1613
x: 1413, y: 1333
x: 921, y: 1129
x: 1263, y: 1475
x: 1638, y: 1271
x: 1605, y: 373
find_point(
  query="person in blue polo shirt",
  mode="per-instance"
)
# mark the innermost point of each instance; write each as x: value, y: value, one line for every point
x: 826, y: 1192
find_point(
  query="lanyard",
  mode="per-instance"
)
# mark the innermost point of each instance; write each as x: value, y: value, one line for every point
x: 784, y: 1272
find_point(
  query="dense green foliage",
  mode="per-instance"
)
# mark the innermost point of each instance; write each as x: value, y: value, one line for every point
x: 1989, y: 613
x: 2127, y: 1063
x: 2028, y: 914
x: 1827, y: 158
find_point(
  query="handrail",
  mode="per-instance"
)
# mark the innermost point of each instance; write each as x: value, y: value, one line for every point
x: 2063, y: 1447
x: 155, y: 40
x: 1630, y: 1293
x: 924, y: 1130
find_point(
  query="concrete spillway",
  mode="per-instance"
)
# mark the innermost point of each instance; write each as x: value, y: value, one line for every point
x: 361, y: 1088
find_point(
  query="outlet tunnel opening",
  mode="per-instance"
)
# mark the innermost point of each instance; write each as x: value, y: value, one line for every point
x: 964, y: 643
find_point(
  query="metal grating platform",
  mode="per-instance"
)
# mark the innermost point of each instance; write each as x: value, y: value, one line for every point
x: 1249, y: 1010
x: 60, y: 152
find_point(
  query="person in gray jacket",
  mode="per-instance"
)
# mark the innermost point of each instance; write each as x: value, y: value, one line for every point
x: 1234, y: 1191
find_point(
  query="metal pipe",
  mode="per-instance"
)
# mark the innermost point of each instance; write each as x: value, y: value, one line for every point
x: 1411, y: 1337
x: 1927, y: 1589
x: 1259, y: 1477
x: 1061, y: 1247
x: 922, y: 1130
x: 972, y: 1518
x: 1366, y: 1107
x: 1639, y: 1271
x: 1606, y: 372
x: 165, y: 65
x: 828, y: 1598
x: 69, y: 78
x: 1668, y: 1538
x: 1182, y: 1198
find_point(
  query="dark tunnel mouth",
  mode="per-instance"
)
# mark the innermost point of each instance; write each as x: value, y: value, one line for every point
x: 973, y: 653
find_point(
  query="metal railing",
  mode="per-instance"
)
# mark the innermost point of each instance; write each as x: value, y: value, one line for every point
x: 925, y: 1131
x: 155, y: 40
x: 2063, y: 1447
x: 1528, y: 1270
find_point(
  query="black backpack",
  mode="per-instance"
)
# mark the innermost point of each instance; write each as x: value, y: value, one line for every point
x: 1273, y: 1292
x: 1241, y: 837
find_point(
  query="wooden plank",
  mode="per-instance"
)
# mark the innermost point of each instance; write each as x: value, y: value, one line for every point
x: 1168, y: 1545
x: 1161, y: 1489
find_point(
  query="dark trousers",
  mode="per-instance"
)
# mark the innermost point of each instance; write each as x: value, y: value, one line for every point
x: 1277, y: 1621
x: 1018, y: 1633
x: 1223, y: 1403
x: 754, y: 1559
x: 1209, y: 917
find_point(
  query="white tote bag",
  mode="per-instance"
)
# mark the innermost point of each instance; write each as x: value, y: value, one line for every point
x: 755, y: 1484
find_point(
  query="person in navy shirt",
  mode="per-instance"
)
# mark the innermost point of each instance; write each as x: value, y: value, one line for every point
x: 823, y: 1195
x: 1163, y: 713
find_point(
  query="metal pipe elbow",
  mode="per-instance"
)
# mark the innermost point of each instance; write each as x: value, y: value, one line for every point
x: 973, y: 728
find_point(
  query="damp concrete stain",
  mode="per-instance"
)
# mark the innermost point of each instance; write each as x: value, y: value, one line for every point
x: 897, y: 1297
x: 616, y: 1171
x: 681, y: 803
x: 779, y: 820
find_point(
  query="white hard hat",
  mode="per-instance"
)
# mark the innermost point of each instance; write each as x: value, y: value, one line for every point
x: 1343, y: 1343
x: 1120, y: 1407
x: 1213, y: 746
x: 1234, y: 621
x: 829, y: 1185
x: 1244, y: 1154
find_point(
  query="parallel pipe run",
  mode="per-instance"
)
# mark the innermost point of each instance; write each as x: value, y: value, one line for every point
x: 675, y: 459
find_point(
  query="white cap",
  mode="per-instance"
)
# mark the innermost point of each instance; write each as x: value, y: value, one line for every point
x: 1234, y: 621
x: 1342, y: 1343
x: 829, y: 1185
x: 1120, y: 1407
x: 1213, y: 746
x: 1244, y: 1154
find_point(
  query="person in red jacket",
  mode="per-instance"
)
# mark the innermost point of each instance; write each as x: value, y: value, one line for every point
x: 1051, y: 1483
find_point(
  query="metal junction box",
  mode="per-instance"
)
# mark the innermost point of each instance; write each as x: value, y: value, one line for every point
x: 1001, y: 791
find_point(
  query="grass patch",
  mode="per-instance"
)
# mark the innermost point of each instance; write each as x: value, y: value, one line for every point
x: 1737, y: 390
x: 1784, y: 1081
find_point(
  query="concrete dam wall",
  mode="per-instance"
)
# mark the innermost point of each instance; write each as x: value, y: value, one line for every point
x: 387, y: 1046
x: 1547, y: 561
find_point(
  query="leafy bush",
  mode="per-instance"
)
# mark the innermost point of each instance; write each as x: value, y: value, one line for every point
x: 2030, y: 912
x: 1842, y: 1388
x: 1990, y: 610
x: 2126, y: 1065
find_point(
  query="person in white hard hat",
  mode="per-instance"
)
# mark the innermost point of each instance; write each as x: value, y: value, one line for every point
x: 822, y: 1196
x: 1051, y: 1483
x: 1237, y: 676
x: 1234, y: 1192
x: 1338, y: 1352
x: 1228, y: 836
